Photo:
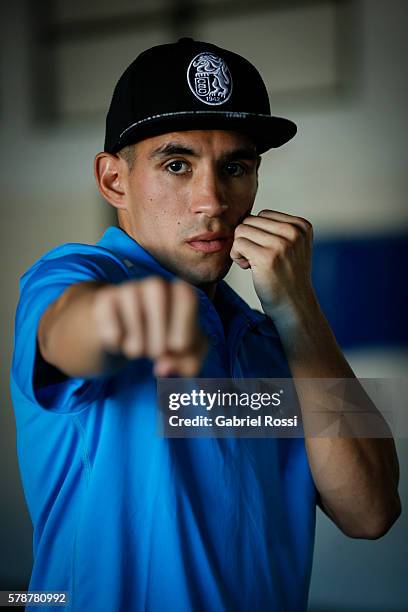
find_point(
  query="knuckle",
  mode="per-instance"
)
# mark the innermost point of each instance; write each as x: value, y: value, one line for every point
x: 181, y: 285
x: 108, y: 331
x: 240, y: 240
x: 281, y: 246
x: 155, y: 347
x: 180, y: 343
x: 184, y: 291
x: 294, y: 233
x: 306, y: 224
x: 153, y: 285
x: 132, y: 347
x: 191, y: 366
x: 128, y: 290
x: 238, y: 231
x: 186, y: 342
x: 153, y: 295
x: 152, y: 281
x: 105, y: 294
x: 102, y: 305
x: 274, y: 254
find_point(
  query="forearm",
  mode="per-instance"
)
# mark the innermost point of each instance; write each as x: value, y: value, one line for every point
x: 67, y: 334
x: 357, y: 478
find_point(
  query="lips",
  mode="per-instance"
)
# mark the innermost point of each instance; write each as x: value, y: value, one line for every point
x: 209, y: 242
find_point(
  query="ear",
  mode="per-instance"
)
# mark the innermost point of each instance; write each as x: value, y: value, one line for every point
x: 110, y: 174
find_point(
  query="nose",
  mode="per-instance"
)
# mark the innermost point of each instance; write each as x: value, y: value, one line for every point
x: 208, y: 193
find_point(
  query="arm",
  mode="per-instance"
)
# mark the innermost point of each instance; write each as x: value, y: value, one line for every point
x: 67, y: 337
x: 357, y: 478
x: 95, y: 327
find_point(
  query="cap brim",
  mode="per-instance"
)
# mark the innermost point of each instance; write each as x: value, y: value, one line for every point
x: 267, y: 131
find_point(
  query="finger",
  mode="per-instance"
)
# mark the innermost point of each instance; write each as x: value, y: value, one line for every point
x: 188, y: 365
x: 289, y: 231
x: 186, y: 344
x: 303, y: 224
x: 155, y: 305
x: 243, y: 263
x: 107, y: 320
x: 262, y: 236
x: 243, y: 248
x: 182, y: 326
x: 129, y: 303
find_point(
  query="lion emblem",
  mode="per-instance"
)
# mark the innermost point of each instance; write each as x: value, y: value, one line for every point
x: 209, y: 78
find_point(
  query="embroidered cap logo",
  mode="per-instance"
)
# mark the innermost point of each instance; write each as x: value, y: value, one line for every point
x: 209, y: 79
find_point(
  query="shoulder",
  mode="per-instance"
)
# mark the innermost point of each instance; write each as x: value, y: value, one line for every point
x: 76, y: 261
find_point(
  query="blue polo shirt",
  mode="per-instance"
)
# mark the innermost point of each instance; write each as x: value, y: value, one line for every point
x: 126, y: 520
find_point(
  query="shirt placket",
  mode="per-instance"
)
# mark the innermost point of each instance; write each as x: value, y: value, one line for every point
x: 216, y: 364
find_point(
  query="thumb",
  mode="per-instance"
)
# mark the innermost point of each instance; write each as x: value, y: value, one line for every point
x: 188, y: 365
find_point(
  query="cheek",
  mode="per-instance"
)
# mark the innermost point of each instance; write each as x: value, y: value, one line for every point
x: 160, y: 209
x: 242, y: 207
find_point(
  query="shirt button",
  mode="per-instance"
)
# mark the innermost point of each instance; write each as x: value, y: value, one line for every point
x: 214, y: 339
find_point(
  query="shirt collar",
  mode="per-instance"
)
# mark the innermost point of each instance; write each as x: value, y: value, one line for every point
x: 131, y: 252
x: 119, y: 242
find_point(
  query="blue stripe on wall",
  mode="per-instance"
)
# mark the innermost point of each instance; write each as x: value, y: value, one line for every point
x: 361, y: 284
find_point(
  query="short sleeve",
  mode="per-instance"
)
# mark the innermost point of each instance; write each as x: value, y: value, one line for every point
x: 39, y: 382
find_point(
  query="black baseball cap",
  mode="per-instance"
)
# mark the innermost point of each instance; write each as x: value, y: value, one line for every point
x: 190, y: 85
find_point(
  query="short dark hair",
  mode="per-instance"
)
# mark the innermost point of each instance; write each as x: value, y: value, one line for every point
x: 128, y: 153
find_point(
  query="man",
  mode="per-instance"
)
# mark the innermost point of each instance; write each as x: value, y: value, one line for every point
x: 127, y: 520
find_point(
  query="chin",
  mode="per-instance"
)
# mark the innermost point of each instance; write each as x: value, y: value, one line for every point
x: 205, y: 275
x: 196, y: 271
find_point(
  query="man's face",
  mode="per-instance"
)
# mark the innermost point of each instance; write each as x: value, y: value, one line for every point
x: 185, y: 195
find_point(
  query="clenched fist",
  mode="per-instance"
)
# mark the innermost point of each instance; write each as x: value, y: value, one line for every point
x: 277, y: 247
x: 152, y: 318
x: 146, y: 318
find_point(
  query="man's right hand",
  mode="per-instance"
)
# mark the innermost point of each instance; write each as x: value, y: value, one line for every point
x: 150, y: 318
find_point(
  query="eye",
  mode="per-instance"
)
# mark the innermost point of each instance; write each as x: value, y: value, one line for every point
x: 234, y: 169
x: 177, y: 166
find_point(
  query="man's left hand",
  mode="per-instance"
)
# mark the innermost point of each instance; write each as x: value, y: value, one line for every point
x: 277, y: 247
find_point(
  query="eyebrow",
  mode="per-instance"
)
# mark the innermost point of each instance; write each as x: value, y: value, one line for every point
x: 174, y: 148
x: 171, y: 148
x: 241, y: 153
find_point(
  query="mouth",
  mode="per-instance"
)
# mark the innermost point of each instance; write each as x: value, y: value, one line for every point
x: 210, y: 242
